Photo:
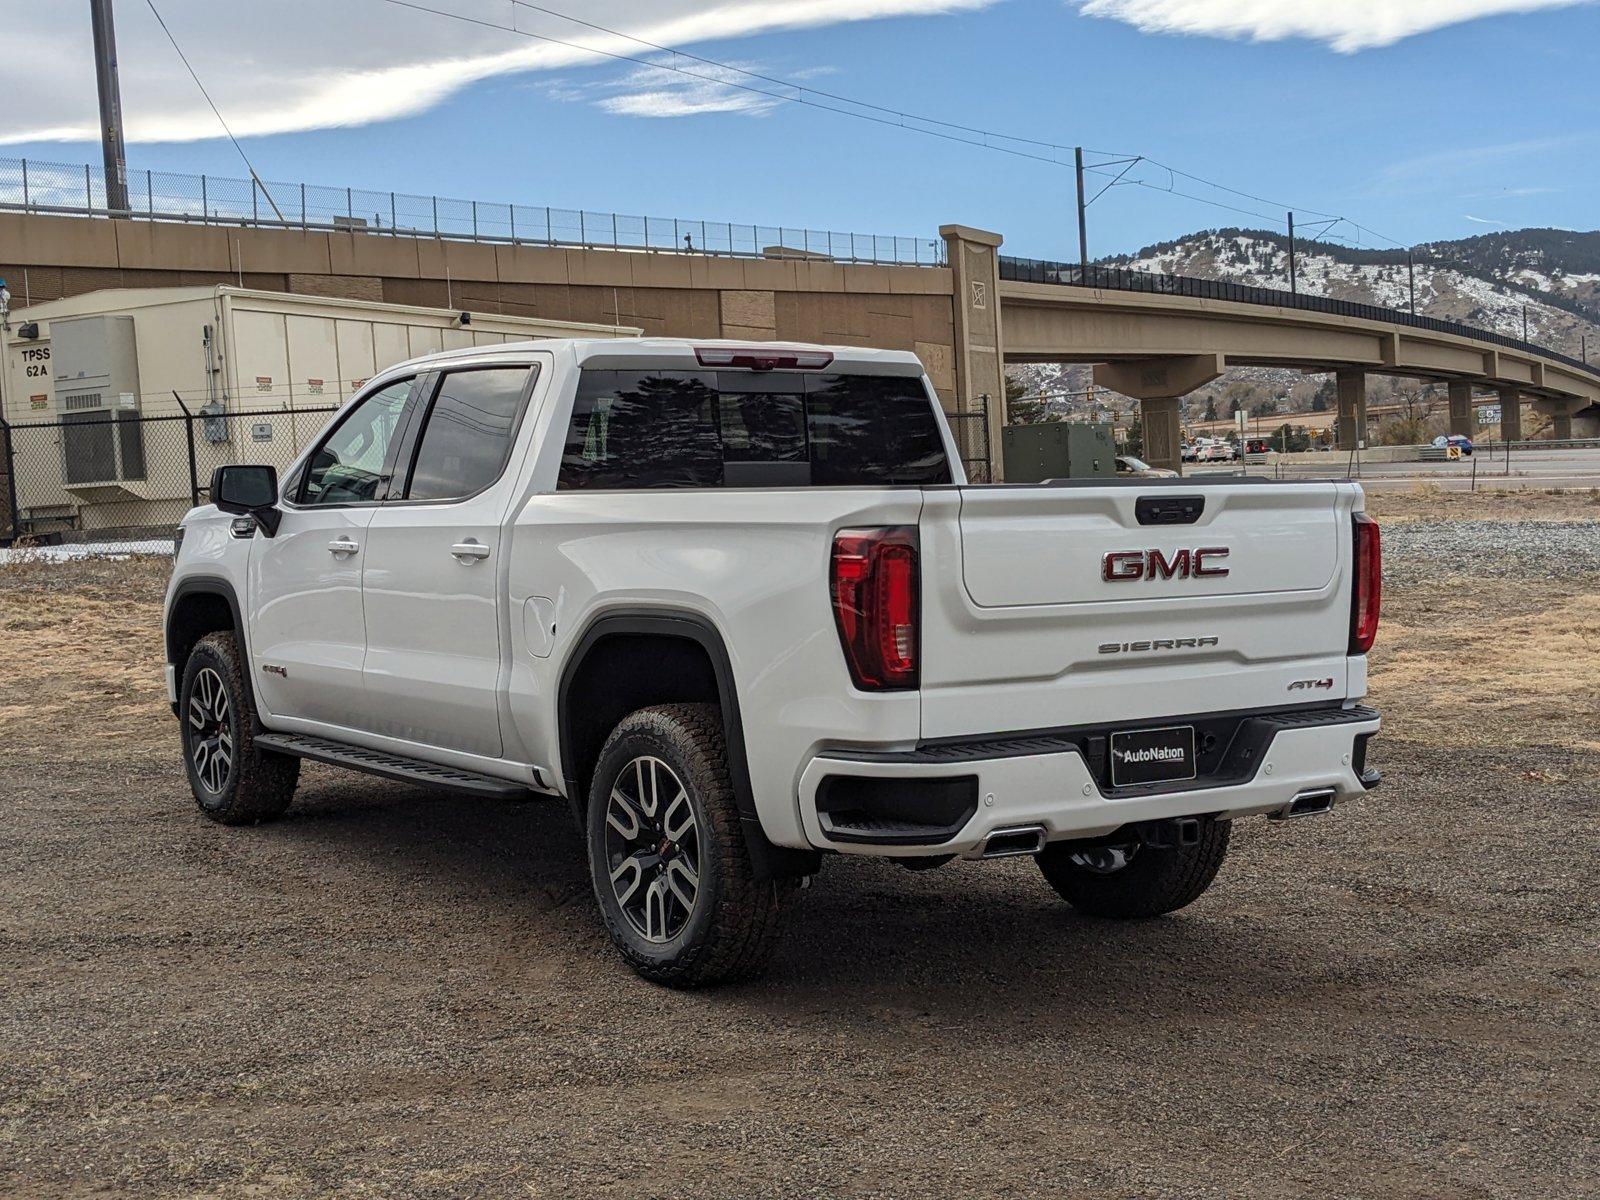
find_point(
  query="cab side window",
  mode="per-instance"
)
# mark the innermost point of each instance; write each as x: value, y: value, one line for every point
x: 348, y: 467
x: 467, y: 436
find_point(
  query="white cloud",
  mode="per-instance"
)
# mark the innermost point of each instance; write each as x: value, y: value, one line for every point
x: 1345, y: 25
x: 294, y: 65
x: 1484, y: 221
x: 689, y: 89
x: 646, y: 92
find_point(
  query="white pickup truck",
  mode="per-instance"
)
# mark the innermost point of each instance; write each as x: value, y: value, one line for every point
x: 738, y: 605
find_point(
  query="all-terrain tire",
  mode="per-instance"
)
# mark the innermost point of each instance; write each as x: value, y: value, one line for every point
x: 733, y: 924
x: 234, y: 782
x: 1153, y: 882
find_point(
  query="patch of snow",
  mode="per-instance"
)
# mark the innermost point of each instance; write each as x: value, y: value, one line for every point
x: 115, y: 551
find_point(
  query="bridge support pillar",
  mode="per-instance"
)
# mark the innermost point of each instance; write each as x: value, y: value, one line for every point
x: 1561, y: 425
x: 1510, y: 414
x: 974, y: 258
x: 1158, y: 384
x: 1352, y: 387
x: 1461, y: 407
x: 1163, y: 433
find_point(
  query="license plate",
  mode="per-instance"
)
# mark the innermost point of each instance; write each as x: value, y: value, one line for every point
x: 1152, y: 755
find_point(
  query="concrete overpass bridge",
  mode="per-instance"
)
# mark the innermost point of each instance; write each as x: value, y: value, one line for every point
x: 1158, y: 337
x: 965, y: 309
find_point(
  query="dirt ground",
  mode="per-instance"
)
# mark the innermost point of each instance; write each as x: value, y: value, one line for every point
x: 1429, y: 502
x: 395, y: 993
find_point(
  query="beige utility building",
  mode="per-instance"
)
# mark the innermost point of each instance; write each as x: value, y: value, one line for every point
x: 97, y: 387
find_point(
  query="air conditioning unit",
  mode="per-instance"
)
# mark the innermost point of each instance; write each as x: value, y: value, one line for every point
x: 97, y: 401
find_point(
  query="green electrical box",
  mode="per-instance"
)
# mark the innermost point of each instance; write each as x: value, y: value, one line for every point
x: 1058, y: 450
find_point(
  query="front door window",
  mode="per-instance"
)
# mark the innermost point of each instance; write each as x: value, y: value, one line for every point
x: 349, y: 465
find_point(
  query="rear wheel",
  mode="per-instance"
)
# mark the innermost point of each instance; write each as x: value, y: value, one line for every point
x: 233, y: 782
x: 667, y: 855
x: 1134, y: 880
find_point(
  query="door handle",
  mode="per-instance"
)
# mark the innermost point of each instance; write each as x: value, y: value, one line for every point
x: 469, y: 550
x: 342, y: 546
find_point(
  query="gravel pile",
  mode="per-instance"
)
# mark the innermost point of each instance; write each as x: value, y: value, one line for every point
x: 1424, y: 551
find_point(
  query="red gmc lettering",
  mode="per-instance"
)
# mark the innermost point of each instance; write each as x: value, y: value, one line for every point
x: 1122, y: 565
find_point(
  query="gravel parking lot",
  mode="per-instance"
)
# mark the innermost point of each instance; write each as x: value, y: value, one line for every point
x: 393, y: 993
x: 1422, y: 552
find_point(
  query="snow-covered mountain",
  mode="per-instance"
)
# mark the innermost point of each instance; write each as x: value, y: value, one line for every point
x: 1484, y: 281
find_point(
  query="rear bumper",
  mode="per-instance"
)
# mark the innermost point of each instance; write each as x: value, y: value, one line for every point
x: 948, y: 798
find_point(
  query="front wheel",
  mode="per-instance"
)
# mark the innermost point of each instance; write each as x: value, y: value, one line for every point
x: 671, y: 871
x: 1135, y: 880
x: 233, y: 782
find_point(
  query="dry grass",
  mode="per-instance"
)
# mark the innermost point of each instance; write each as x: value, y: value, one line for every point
x: 82, y: 638
x: 1430, y: 502
x: 1474, y: 662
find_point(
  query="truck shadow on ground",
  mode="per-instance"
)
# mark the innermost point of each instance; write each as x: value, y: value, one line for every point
x: 967, y: 942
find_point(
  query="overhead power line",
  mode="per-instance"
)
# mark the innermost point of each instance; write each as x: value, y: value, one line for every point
x: 898, y: 122
x: 799, y: 87
x: 848, y: 106
x: 999, y: 141
x: 215, y: 110
x: 901, y: 116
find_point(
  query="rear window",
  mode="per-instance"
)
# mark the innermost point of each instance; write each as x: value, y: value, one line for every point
x: 702, y: 429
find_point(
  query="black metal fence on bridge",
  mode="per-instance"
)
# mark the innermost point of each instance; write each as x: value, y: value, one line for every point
x: 119, y: 475
x: 1121, y: 279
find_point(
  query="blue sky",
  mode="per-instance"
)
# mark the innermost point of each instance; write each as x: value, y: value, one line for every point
x: 1460, y: 128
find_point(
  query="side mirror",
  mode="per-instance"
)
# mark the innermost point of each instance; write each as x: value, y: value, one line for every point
x: 248, y: 490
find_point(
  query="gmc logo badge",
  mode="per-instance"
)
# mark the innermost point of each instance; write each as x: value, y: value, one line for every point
x: 1122, y: 565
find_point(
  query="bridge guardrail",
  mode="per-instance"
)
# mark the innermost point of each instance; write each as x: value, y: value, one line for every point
x: 73, y: 189
x: 1122, y: 279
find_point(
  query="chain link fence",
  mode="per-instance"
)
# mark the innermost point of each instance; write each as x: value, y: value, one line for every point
x: 118, y: 476
x: 970, y: 429
x: 29, y: 185
x: 112, y: 476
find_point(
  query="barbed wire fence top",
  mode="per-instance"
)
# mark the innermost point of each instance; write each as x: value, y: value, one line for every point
x: 31, y: 185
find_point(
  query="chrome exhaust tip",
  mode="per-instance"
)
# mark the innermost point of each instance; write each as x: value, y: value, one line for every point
x: 1012, y: 842
x: 1312, y: 803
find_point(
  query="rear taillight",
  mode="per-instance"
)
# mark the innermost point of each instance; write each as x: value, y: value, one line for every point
x: 1367, y: 596
x: 873, y: 582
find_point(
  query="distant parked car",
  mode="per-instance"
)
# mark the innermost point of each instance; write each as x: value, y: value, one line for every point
x: 1127, y: 464
x: 1216, y: 452
x: 1187, y: 452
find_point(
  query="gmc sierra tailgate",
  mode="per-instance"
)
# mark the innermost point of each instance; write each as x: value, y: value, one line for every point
x: 1053, y: 606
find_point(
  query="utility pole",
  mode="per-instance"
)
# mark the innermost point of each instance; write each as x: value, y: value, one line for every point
x: 1294, y: 284
x: 105, y: 77
x: 1083, y: 221
x: 1524, y: 322
x: 1411, y: 274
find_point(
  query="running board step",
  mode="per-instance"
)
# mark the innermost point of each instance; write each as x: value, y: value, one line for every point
x: 391, y: 766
